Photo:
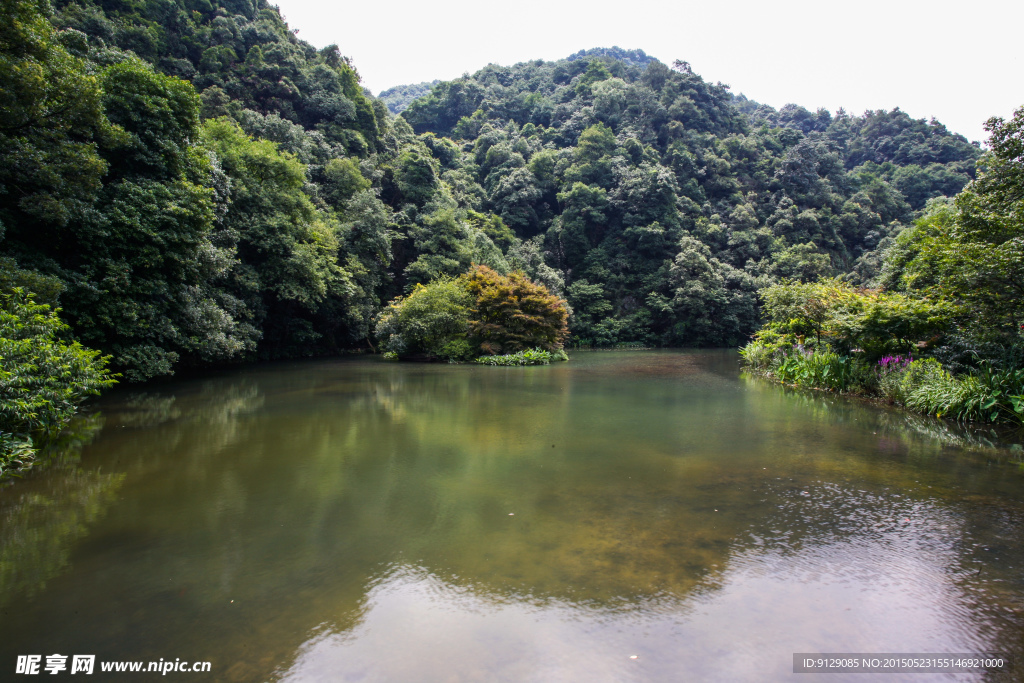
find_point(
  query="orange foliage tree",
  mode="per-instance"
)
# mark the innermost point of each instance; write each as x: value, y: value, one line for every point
x: 512, y: 313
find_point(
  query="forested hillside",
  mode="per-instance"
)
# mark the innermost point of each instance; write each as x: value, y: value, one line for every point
x: 194, y: 184
x: 665, y: 203
x: 400, y: 97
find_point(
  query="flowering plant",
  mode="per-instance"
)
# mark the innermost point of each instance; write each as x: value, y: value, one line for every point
x: 890, y: 364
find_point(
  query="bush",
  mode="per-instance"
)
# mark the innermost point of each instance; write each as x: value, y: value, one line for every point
x: 42, y: 379
x: 848, y: 318
x: 968, y: 351
x: 992, y: 391
x: 431, y: 323
x: 941, y: 394
x: 891, y: 371
x: 987, y: 395
x: 1004, y: 390
x: 920, y: 373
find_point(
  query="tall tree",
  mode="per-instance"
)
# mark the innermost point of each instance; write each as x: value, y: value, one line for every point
x: 51, y: 123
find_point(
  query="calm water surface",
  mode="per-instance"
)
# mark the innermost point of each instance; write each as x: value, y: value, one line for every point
x: 358, y: 520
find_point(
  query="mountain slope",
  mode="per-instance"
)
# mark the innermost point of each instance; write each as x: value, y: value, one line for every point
x: 242, y: 197
x: 665, y: 202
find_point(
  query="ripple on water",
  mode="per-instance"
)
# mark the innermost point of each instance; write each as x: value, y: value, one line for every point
x: 351, y: 521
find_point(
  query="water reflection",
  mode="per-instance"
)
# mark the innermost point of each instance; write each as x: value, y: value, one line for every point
x: 43, y: 516
x: 828, y: 569
x: 419, y: 627
x: 359, y: 520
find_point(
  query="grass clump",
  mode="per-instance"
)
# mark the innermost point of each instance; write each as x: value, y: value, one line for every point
x: 527, y: 357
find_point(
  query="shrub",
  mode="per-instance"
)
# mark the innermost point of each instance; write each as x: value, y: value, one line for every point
x: 432, y: 322
x: 42, y: 379
x: 970, y: 350
x: 942, y: 395
x: 1005, y: 393
x: 994, y: 392
x: 985, y: 395
x: 829, y: 370
x: 919, y: 373
x: 848, y: 318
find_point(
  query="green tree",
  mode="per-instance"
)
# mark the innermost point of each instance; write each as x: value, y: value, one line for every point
x: 51, y: 123
x: 590, y: 305
x: 288, y: 250
x: 714, y: 304
x: 416, y: 177
x: 972, y: 252
x: 443, y: 245
x: 431, y: 323
x: 846, y: 318
x: 984, y: 260
x: 366, y: 234
x: 43, y: 379
x: 138, y: 269
x: 582, y: 223
x: 343, y: 179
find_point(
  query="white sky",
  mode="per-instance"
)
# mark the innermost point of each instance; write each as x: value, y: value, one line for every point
x: 957, y: 61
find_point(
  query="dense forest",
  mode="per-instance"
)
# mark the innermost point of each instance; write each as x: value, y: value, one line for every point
x: 663, y: 203
x: 400, y: 97
x: 192, y: 184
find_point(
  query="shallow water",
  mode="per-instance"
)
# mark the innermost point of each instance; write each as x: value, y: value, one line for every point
x: 627, y: 516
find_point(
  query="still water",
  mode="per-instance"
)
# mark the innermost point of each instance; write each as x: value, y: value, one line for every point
x: 626, y: 516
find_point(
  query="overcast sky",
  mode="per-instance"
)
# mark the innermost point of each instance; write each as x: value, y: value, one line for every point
x: 956, y: 61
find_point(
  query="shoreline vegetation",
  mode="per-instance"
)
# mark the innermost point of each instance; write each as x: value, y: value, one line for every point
x: 923, y: 389
x: 43, y: 379
x: 940, y: 329
x: 527, y: 357
x: 834, y: 337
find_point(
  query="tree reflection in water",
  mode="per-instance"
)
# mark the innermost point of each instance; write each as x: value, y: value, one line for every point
x: 357, y: 513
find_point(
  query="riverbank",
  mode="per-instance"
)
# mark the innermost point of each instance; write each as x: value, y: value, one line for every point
x: 923, y: 385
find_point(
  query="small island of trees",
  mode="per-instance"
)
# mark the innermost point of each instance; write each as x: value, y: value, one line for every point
x: 480, y: 313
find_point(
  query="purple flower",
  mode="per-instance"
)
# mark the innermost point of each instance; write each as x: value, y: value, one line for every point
x: 895, y: 363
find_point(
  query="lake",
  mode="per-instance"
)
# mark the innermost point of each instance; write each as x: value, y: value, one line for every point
x: 626, y: 516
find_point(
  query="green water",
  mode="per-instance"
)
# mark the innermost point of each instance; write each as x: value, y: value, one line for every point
x: 359, y: 520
